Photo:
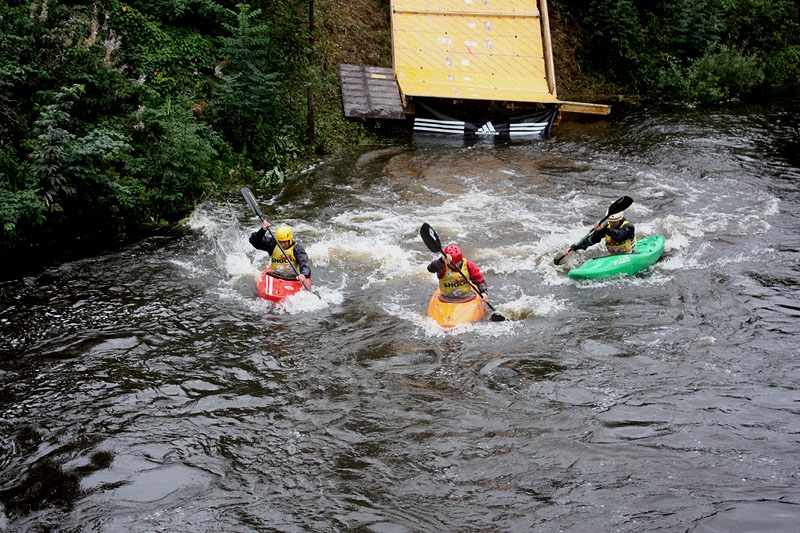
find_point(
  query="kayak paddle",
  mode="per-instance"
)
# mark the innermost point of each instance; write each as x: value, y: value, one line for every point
x: 433, y: 243
x: 621, y: 204
x: 251, y: 201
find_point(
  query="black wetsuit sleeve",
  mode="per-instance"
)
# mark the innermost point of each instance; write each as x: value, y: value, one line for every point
x: 261, y: 241
x: 591, y: 238
x: 302, y: 260
x: 437, y: 267
x: 621, y: 234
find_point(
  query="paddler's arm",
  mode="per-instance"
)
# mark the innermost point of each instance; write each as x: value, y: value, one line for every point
x: 437, y: 266
x: 260, y: 241
x: 591, y: 238
x: 303, y: 264
x: 476, y: 276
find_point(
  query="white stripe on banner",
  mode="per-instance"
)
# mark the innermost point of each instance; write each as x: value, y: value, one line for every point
x: 439, y: 126
x: 530, y: 128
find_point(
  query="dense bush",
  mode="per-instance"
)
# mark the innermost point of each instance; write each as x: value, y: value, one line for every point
x: 116, y: 117
x: 694, y: 51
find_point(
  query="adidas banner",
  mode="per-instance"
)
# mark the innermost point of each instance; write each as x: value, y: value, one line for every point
x: 436, y: 118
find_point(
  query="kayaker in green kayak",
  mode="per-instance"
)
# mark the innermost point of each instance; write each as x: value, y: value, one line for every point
x: 619, y: 234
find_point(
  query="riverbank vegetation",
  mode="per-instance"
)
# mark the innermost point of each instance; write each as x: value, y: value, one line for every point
x: 117, y: 117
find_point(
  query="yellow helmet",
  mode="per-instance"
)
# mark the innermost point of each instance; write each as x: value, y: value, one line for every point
x: 616, y: 217
x: 283, y: 233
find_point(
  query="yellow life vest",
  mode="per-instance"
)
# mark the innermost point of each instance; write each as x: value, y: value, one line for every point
x: 624, y: 247
x: 454, y: 286
x: 281, y: 266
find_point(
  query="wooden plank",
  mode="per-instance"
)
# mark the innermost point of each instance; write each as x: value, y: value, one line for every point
x: 370, y: 92
x: 548, y: 49
x: 580, y: 107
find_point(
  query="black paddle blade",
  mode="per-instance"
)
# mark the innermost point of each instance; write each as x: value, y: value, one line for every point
x: 251, y: 201
x: 619, y: 205
x: 497, y: 317
x: 560, y: 257
x: 430, y: 238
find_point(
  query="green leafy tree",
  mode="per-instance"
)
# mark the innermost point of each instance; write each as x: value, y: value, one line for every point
x: 20, y: 209
x: 770, y: 29
x: 617, y: 40
x: 695, y: 51
x: 249, y: 104
x: 50, y: 150
x: 174, y: 166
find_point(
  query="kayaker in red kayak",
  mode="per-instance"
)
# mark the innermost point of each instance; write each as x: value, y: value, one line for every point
x: 452, y: 269
x: 280, y: 266
x: 619, y: 233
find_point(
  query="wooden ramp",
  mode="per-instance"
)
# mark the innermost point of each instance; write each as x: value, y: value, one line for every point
x: 370, y: 92
x: 470, y: 51
x: 473, y: 49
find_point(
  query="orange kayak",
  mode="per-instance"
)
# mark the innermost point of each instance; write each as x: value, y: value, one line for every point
x: 276, y: 289
x: 449, y: 314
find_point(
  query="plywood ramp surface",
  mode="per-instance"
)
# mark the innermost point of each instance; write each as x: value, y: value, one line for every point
x: 470, y: 49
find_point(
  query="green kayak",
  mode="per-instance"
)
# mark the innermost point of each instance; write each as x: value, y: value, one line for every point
x: 648, y: 250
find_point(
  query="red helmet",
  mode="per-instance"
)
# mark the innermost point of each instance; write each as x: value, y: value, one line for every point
x: 455, y: 252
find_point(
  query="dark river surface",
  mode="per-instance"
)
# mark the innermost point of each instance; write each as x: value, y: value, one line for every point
x: 148, y: 389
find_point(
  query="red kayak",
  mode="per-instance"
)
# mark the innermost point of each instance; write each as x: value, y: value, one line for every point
x: 276, y: 289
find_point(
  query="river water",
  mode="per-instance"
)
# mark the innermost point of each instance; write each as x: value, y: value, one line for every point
x: 148, y: 389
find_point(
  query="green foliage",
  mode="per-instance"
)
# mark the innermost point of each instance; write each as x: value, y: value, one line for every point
x: 139, y: 172
x: 50, y: 150
x: 698, y: 51
x: 766, y: 25
x: 719, y: 76
x: 95, y: 97
x: 682, y: 29
x: 20, y: 212
x: 20, y: 208
x: 251, y: 104
x: 165, y: 59
x: 204, y: 15
x: 174, y: 166
x: 771, y: 29
x: 782, y: 70
x: 617, y: 39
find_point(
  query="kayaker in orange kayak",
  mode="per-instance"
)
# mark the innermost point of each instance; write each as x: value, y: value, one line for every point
x: 454, y: 271
x: 281, y: 256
